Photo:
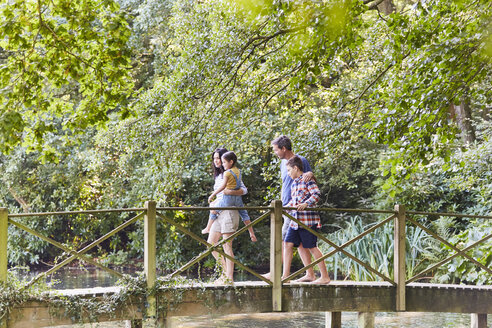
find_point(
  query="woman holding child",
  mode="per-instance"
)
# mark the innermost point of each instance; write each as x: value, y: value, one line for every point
x: 228, y: 189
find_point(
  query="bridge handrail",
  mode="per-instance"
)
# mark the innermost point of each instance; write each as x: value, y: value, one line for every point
x: 276, y: 211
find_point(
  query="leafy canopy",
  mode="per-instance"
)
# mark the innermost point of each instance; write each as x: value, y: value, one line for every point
x: 62, y: 62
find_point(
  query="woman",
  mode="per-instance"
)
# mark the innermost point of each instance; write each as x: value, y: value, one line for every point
x: 227, y: 222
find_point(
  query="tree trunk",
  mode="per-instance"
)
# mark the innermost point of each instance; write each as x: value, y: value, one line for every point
x: 462, y: 115
x: 386, y: 7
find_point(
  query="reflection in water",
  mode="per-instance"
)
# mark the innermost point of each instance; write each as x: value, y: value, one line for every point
x: 309, y: 320
x: 317, y: 320
x: 76, y: 277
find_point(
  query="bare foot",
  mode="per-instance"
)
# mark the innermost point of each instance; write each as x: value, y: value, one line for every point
x: 223, y: 281
x: 205, y: 231
x: 322, y: 281
x: 266, y: 275
x: 306, y: 278
x: 286, y: 281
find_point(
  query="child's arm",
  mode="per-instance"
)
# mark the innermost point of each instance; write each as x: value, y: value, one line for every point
x: 222, y: 187
x: 314, y: 196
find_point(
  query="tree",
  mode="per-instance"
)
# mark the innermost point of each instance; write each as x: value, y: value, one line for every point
x: 62, y: 62
x: 327, y: 73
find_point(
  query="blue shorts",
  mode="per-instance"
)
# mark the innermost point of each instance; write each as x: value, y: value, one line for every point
x: 302, y: 236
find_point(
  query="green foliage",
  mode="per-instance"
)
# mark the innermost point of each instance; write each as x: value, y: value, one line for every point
x: 460, y: 269
x: 60, y: 59
x: 376, y: 249
x: 364, y: 96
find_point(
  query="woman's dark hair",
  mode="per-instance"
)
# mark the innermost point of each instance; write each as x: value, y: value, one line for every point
x: 218, y: 170
x: 230, y: 156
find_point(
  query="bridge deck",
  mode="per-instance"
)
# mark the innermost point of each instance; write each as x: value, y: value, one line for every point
x: 255, y: 297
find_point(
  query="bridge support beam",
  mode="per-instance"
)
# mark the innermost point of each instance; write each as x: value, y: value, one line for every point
x: 150, y: 262
x: 365, y: 320
x: 333, y: 319
x: 399, y: 257
x: 479, y: 320
x: 276, y: 255
x: 4, y: 228
x: 133, y: 324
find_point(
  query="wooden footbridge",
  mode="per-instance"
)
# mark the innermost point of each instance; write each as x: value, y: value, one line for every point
x: 154, y: 299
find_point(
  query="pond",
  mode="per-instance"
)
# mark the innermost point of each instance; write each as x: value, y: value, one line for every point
x: 310, y: 320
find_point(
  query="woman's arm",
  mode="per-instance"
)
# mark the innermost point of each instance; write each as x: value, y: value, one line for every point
x: 239, y: 192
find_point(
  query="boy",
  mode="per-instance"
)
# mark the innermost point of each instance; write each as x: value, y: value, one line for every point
x: 304, y: 194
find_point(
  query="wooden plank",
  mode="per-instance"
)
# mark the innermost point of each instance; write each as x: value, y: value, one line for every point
x: 256, y: 297
x: 448, y: 298
x: 478, y: 320
x: 276, y: 255
x: 399, y: 257
x: 333, y: 319
x: 36, y: 314
x: 150, y: 256
x: 365, y: 320
x: 4, y: 228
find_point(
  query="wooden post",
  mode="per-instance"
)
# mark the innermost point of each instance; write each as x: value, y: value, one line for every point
x: 399, y: 257
x: 365, y: 320
x: 479, y: 320
x: 4, y: 228
x: 333, y: 319
x: 149, y: 261
x: 276, y: 255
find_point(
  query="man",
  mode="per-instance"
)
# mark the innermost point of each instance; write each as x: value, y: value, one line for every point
x: 282, y: 147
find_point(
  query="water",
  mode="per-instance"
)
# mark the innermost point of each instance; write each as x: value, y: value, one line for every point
x: 68, y: 278
x: 317, y: 320
x: 310, y: 320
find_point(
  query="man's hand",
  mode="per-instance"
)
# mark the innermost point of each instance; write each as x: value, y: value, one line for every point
x: 211, y: 198
x: 232, y: 192
x: 307, y: 176
x: 302, y: 206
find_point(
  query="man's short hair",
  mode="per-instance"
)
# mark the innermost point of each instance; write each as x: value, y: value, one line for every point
x: 282, y: 141
x: 296, y: 161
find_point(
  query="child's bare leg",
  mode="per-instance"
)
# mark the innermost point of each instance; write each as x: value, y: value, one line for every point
x: 306, y: 260
x: 325, y: 278
x: 208, y: 227
x: 288, y: 251
x: 251, y: 231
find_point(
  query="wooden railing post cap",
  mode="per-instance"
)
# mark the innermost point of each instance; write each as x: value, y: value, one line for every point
x: 399, y: 208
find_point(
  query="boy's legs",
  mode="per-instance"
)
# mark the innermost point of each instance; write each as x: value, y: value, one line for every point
x: 309, y: 241
x: 306, y: 260
x: 325, y: 278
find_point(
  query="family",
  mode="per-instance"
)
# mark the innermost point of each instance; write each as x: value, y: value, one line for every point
x: 299, y: 190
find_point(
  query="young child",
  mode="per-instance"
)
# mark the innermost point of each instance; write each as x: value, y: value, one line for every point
x: 232, y: 180
x: 304, y: 194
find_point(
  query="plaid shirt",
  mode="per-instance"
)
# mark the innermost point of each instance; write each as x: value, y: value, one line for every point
x: 304, y: 192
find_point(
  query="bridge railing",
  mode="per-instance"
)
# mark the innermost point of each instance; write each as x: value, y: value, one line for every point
x: 151, y: 213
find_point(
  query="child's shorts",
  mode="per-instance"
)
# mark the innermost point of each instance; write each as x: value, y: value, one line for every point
x: 302, y: 236
x: 226, y: 222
